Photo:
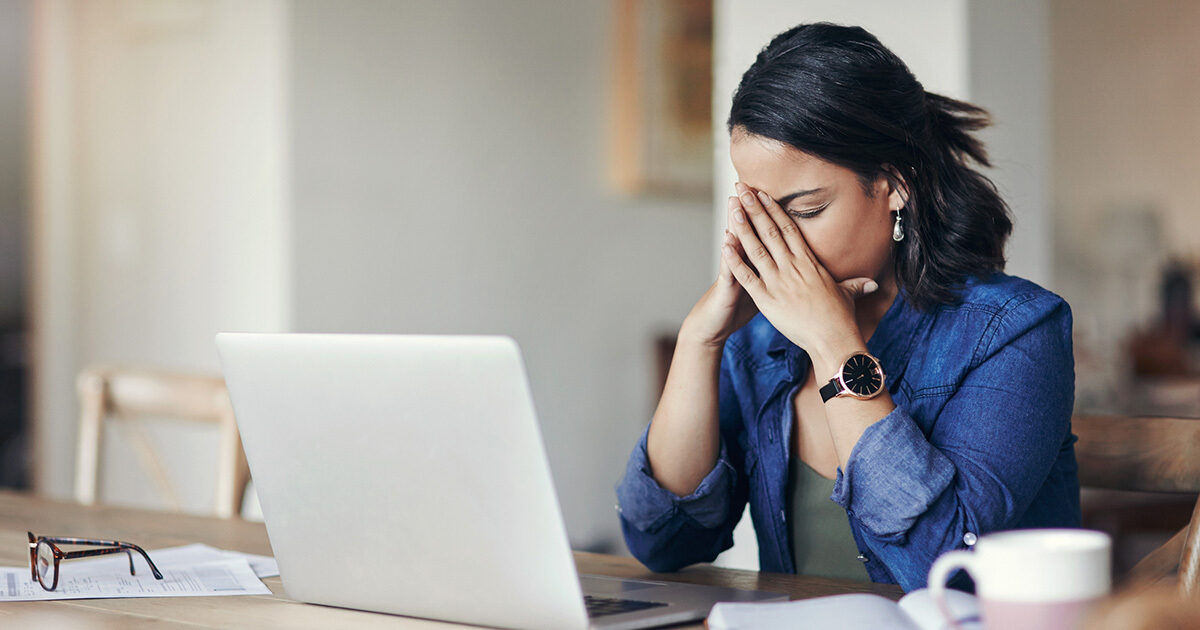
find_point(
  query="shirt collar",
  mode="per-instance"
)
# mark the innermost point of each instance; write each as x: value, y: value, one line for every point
x: 779, y: 346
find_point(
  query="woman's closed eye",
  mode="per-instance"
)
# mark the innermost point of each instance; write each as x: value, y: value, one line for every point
x: 806, y: 214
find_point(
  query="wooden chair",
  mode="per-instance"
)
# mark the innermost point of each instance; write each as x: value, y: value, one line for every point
x: 129, y: 395
x: 1147, y: 454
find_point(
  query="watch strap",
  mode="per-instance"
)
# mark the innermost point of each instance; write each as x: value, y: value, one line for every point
x: 831, y: 390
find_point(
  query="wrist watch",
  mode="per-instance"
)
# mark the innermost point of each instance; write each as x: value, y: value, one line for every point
x: 861, y: 377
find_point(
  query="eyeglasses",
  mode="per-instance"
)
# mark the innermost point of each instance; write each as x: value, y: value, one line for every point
x: 44, y: 556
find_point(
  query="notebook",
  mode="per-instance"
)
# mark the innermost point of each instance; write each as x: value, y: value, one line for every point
x: 858, y: 611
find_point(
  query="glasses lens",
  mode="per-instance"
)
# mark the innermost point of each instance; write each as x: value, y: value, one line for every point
x: 45, y: 564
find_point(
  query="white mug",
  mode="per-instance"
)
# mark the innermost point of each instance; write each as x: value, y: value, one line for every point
x: 1035, y: 579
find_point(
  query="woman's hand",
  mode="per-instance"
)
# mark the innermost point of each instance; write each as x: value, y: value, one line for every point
x: 725, y: 307
x: 786, y: 281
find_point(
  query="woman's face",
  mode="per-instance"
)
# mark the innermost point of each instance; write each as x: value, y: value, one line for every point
x: 849, y: 232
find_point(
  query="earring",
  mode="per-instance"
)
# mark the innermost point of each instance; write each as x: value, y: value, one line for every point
x: 898, y: 230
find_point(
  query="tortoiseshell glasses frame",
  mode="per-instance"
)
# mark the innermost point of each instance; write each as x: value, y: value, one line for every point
x: 45, y: 555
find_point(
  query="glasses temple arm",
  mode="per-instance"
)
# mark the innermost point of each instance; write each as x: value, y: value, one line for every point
x: 87, y: 553
x: 124, y: 547
x: 157, y: 574
x: 59, y: 540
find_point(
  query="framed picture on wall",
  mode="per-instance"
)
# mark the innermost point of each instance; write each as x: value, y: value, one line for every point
x: 662, y: 98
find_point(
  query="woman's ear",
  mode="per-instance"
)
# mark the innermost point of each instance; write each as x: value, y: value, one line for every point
x: 897, y: 188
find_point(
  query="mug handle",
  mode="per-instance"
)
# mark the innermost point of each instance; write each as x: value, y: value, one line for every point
x: 946, y: 564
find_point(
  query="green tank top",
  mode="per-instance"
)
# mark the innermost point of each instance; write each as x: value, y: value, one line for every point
x: 822, y: 544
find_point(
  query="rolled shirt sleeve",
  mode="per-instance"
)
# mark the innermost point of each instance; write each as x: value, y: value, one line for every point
x: 977, y: 465
x: 667, y: 532
x: 647, y: 505
x: 892, y: 476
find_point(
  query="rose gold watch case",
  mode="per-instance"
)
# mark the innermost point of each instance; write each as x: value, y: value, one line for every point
x: 846, y: 391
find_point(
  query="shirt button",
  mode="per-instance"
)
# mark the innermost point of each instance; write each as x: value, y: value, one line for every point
x: 969, y: 539
x: 617, y: 507
x: 782, y: 515
x: 863, y: 557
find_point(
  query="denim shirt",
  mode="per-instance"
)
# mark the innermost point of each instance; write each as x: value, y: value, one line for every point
x: 980, y: 439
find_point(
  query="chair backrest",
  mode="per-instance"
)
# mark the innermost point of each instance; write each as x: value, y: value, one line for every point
x: 128, y: 394
x: 1147, y: 454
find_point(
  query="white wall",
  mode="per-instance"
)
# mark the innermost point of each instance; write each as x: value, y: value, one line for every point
x: 447, y: 175
x: 14, y: 60
x: 160, y: 196
x: 449, y: 178
x: 990, y: 53
x: 1009, y: 75
x: 1125, y: 113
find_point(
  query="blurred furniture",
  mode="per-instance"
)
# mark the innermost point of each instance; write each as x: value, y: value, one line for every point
x: 1177, y: 396
x: 1158, y: 608
x: 1147, y: 454
x: 155, y: 530
x: 14, y: 443
x: 129, y: 396
x: 1165, y: 357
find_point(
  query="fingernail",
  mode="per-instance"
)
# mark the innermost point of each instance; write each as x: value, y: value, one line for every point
x: 764, y: 197
x: 733, y: 203
x: 747, y: 198
x: 870, y: 287
x: 738, y: 186
x: 738, y: 216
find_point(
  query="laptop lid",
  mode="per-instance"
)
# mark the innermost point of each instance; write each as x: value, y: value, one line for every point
x: 404, y: 474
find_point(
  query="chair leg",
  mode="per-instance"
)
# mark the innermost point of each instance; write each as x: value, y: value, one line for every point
x: 90, y: 387
x: 1158, y: 563
x: 233, y: 472
x: 241, y: 480
x: 1189, y: 561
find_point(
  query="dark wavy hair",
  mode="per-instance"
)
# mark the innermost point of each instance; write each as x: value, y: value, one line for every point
x: 836, y: 93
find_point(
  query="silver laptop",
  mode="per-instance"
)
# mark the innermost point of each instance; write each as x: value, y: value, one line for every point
x: 406, y: 475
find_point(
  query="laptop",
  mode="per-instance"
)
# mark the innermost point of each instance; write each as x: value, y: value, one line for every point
x: 406, y: 475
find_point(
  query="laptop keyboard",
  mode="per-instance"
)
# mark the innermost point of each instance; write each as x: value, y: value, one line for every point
x: 601, y: 606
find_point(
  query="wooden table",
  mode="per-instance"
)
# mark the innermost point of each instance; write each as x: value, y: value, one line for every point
x: 152, y: 530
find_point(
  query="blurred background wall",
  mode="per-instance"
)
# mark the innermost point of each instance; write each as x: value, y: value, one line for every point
x: 371, y: 166
x: 449, y: 177
x: 14, y: 60
x: 160, y: 165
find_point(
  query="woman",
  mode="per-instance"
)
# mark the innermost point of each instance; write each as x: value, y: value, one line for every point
x: 860, y: 343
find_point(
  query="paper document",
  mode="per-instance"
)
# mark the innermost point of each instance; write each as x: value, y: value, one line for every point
x: 224, y: 577
x: 188, y: 571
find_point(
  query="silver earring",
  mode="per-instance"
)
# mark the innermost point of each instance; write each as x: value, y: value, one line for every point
x: 898, y: 230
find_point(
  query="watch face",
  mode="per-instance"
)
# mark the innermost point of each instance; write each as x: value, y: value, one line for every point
x: 861, y: 375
